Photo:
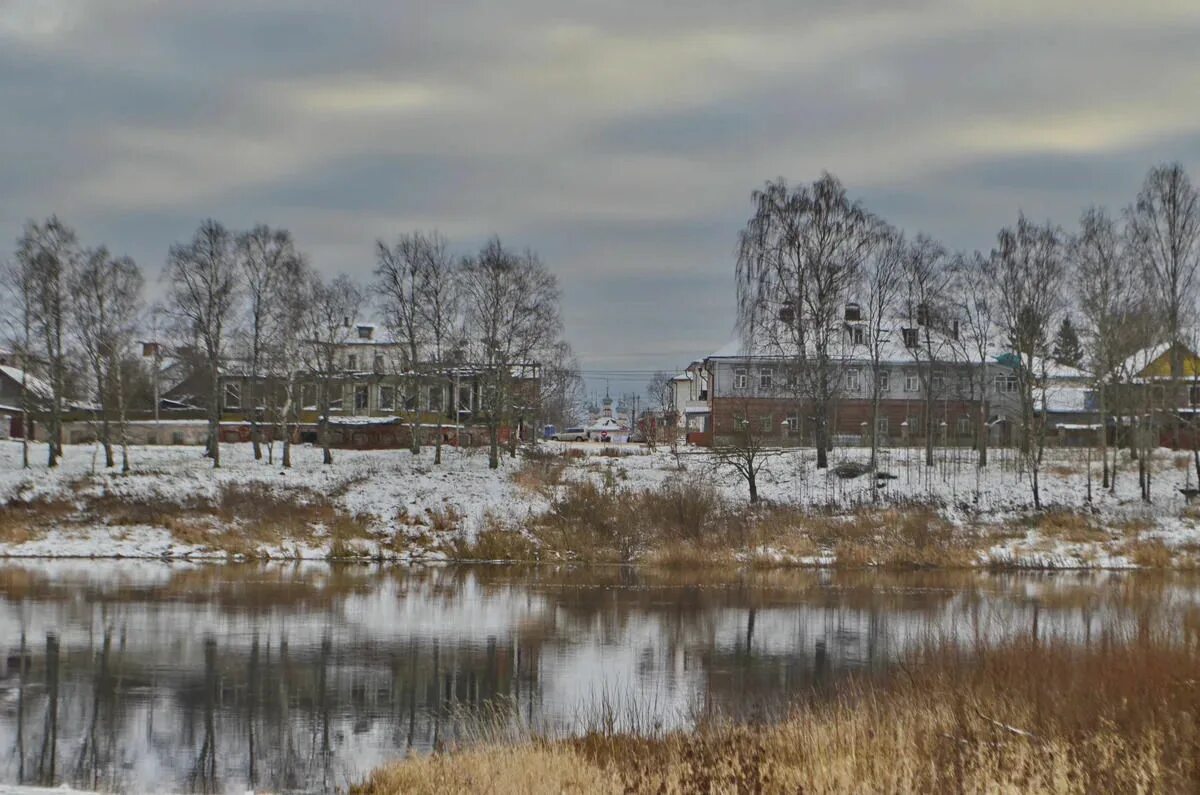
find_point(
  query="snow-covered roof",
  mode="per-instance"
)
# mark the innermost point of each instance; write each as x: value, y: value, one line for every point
x: 1067, y: 399
x: 35, y: 385
x: 891, y: 350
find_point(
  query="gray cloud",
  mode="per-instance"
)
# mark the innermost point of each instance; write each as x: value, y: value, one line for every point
x: 621, y: 139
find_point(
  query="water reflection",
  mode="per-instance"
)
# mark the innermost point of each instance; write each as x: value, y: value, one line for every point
x: 157, y: 677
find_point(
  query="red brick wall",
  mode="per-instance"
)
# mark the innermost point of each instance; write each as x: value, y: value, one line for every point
x: 847, y: 418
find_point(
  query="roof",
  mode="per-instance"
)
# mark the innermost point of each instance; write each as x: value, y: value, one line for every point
x: 1154, y: 362
x: 35, y: 385
x: 892, y: 348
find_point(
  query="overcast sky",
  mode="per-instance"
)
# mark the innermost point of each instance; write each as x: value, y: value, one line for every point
x: 621, y: 140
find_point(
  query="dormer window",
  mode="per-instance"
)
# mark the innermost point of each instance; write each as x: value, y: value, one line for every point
x: 787, y: 312
x: 910, y: 337
x: 364, y: 332
x: 853, y: 312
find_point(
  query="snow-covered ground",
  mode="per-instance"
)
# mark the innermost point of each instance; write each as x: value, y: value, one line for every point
x: 400, y: 493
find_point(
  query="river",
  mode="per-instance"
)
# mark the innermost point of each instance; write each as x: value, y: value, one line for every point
x: 166, y: 677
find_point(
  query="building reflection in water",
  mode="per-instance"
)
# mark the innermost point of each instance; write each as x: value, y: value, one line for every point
x: 223, y: 678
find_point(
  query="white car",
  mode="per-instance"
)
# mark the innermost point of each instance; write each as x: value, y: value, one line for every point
x: 571, y: 435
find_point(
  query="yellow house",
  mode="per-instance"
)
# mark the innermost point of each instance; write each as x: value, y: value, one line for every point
x: 1159, y: 363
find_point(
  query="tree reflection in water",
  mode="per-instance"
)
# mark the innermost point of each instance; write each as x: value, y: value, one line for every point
x: 223, y: 678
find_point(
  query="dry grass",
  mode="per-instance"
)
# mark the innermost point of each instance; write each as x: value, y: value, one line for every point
x: 1069, y: 526
x: 239, y: 521
x: 1149, y: 553
x: 1027, y: 717
x: 27, y: 521
x: 496, y: 541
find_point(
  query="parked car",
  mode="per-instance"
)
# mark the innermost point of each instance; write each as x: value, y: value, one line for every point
x: 571, y: 435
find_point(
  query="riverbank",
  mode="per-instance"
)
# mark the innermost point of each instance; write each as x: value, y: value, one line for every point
x: 594, y: 503
x: 1027, y: 716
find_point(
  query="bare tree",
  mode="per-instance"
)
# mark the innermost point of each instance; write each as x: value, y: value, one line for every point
x: 1165, y: 230
x: 266, y: 259
x: 20, y: 289
x: 441, y: 312
x: 798, y: 256
x: 287, y: 357
x: 511, y: 303
x: 203, y: 290
x: 882, y: 282
x: 1111, y: 294
x: 332, y: 310
x: 48, y: 253
x: 929, y: 332
x: 746, y: 451
x: 398, y: 275
x: 416, y: 290
x: 106, y: 297
x: 977, y: 306
x: 1031, y: 271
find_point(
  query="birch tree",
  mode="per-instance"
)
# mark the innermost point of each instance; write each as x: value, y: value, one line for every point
x: 925, y: 310
x: 977, y: 305
x: 49, y: 253
x: 400, y: 273
x: 882, y: 285
x: 1031, y: 272
x: 1110, y: 293
x: 203, y: 287
x: 20, y: 290
x: 286, y: 361
x: 266, y: 259
x: 439, y: 307
x: 798, y: 256
x: 333, y: 308
x: 511, y: 303
x: 106, y: 297
x: 1164, y: 225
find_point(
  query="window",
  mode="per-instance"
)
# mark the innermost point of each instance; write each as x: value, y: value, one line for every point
x: 741, y: 378
x: 361, y: 399
x: 352, y: 362
x: 923, y: 315
x: 911, y: 382
x: 768, y: 423
x: 881, y: 426
x: 387, y: 398
x: 435, y: 397
x: 1006, y: 384
x: 464, y: 399
x: 857, y: 335
x: 410, y: 401
x: 793, y: 423
x: 938, y: 382
x: 964, y: 425
x: 853, y: 312
x: 885, y: 381
x: 766, y: 377
x: 914, y: 426
x: 378, y: 363
x: 364, y: 332
x: 910, y: 337
x: 1193, y: 396
x: 787, y: 312
x: 853, y: 381
x: 793, y: 378
x: 233, y: 396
